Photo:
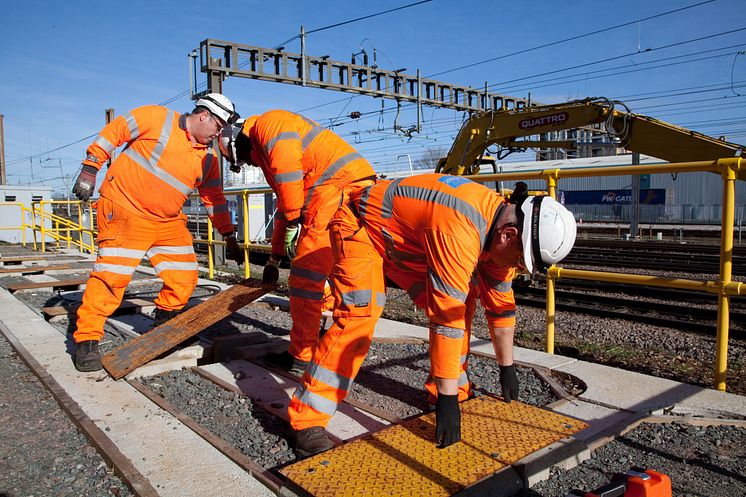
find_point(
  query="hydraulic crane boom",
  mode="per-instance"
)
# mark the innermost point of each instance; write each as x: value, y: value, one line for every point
x: 634, y: 132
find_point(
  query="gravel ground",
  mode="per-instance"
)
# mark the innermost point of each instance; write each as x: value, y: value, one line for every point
x: 701, y: 461
x: 653, y: 350
x: 43, y: 453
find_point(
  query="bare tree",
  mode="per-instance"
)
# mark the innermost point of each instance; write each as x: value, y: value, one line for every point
x: 430, y: 157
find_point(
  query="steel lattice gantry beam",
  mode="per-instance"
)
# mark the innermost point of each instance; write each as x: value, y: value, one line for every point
x: 222, y: 58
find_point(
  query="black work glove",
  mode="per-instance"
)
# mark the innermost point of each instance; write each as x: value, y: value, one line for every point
x: 447, y: 420
x: 235, y: 167
x: 232, y: 251
x: 271, y: 272
x: 85, y: 183
x: 509, y: 382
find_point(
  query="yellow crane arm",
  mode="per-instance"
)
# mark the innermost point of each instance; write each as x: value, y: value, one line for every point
x: 635, y: 132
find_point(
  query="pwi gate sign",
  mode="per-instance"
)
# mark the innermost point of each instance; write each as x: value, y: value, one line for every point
x: 650, y: 196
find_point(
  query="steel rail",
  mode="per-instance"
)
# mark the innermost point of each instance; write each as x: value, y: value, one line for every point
x: 698, y: 320
x: 267, y: 478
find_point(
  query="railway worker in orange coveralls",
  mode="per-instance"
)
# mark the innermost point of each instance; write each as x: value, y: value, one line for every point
x: 447, y: 241
x: 311, y: 170
x: 166, y: 156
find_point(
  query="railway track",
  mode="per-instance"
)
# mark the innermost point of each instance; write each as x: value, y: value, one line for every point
x: 681, y: 316
x: 227, y: 377
x: 666, y: 256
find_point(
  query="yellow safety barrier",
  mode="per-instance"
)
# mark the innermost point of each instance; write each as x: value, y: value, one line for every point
x: 23, y: 226
x: 64, y: 229
x: 724, y: 287
x: 246, y: 245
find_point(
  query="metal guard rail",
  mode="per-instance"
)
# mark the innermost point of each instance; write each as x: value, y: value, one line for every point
x: 724, y: 287
x: 63, y: 228
x: 23, y: 226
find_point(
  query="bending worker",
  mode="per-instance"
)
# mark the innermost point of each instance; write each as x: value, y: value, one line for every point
x: 309, y: 168
x: 446, y: 240
x: 166, y: 156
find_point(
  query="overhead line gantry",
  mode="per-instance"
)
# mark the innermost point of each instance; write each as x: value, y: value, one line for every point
x: 219, y: 59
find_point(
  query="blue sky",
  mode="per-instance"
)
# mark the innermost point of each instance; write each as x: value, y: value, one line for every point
x: 65, y: 62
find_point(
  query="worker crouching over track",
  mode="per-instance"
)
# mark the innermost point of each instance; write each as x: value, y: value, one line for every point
x: 311, y: 170
x: 139, y: 210
x: 447, y: 241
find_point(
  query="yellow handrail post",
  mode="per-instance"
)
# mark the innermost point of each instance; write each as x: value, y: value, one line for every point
x: 246, y: 266
x: 551, y: 178
x: 41, y: 223
x: 210, y: 263
x: 33, y: 223
x: 730, y: 168
x: 69, y: 226
x: 549, y: 347
x: 90, y: 227
x: 23, y: 225
x: 80, y: 225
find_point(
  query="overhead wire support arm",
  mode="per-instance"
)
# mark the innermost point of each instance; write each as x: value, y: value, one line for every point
x: 269, y: 64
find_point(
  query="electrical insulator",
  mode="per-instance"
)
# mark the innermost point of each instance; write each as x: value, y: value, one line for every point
x: 355, y: 114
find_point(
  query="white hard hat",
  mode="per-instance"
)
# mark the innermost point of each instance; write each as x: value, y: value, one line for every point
x: 219, y: 106
x: 548, y: 235
x: 227, y: 142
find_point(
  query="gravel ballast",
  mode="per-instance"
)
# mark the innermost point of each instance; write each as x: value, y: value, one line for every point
x: 44, y: 454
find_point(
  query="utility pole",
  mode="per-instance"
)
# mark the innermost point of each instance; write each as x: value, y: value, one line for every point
x: 3, y: 177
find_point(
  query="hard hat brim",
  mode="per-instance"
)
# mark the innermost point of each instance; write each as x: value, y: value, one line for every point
x: 528, y: 257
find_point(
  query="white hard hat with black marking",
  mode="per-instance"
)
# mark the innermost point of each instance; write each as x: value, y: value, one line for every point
x: 219, y: 105
x: 549, y: 231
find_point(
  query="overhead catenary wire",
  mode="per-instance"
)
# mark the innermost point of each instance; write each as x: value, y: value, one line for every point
x: 187, y: 92
x: 572, y: 38
x: 635, y: 68
x: 353, y: 20
x: 546, y: 45
x: 669, y: 92
x: 617, y: 57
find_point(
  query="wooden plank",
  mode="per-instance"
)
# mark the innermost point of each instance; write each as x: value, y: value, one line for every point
x: 48, y: 284
x: 128, y: 306
x: 34, y: 270
x: 136, y: 352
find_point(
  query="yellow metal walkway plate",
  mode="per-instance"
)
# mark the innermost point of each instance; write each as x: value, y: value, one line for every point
x: 404, y: 460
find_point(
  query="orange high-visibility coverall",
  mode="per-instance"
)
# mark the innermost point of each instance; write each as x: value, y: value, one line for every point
x: 431, y: 231
x: 309, y: 168
x: 139, y: 211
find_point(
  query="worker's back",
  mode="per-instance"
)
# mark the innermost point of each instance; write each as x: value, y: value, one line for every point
x: 401, y: 214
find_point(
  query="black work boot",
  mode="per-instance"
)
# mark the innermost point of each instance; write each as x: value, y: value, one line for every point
x: 87, y: 357
x: 311, y: 441
x: 284, y: 360
x: 162, y: 316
